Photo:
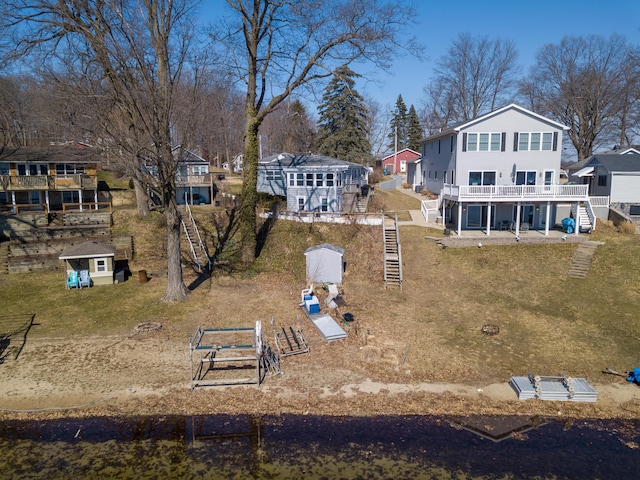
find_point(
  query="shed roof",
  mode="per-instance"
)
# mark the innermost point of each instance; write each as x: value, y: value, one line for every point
x: 88, y: 250
x: 326, y: 246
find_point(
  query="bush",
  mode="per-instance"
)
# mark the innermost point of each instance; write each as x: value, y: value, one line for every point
x: 375, y: 177
x: 628, y: 228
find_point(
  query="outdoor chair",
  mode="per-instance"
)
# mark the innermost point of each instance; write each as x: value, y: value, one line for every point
x: 524, y: 227
x: 84, y: 280
x: 72, y: 280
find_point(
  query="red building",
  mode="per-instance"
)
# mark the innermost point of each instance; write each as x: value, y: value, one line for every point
x: 396, y: 163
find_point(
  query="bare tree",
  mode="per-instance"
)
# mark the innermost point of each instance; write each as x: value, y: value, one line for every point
x: 581, y: 82
x: 289, y: 128
x: 477, y: 75
x: 139, y: 48
x: 379, y: 118
x: 278, y: 47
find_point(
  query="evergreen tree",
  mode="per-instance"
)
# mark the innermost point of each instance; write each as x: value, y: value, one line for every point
x: 398, y: 126
x: 414, y: 130
x: 343, y: 128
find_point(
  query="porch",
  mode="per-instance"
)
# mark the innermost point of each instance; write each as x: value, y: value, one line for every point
x: 479, y: 238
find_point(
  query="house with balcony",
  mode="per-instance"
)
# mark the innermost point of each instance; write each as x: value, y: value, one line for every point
x: 194, y: 183
x: 312, y: 182
x: 48, y: 179
x: 502, y: 171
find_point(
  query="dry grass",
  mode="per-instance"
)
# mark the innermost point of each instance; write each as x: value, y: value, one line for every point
x: 429, y: 331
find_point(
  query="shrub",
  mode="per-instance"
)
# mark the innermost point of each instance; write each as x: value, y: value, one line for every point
x: 628, y: 228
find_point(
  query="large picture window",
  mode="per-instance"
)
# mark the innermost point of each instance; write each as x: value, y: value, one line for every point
x: 482, y: 178
x: 525, y: 178
x: 484, y: 142
x: 535, y: 141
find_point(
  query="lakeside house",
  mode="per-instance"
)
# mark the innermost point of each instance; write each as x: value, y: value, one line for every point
x: 51, y: 178
x: 614, y: 174
x: 194, y: 182
x: 312, y: 182
x: 502, y: 170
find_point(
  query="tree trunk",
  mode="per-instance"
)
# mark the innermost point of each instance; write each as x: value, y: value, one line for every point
x: 142, y: 199
x: 176, y: 289
x: 247, y: 214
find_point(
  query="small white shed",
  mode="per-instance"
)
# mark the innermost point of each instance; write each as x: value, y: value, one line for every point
x: 325, y: 263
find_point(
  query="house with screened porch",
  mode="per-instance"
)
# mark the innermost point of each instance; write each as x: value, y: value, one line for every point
x: 501, y: 171
x: 313, y: 182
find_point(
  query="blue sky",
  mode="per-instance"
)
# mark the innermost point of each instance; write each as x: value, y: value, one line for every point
x: 530, y: 25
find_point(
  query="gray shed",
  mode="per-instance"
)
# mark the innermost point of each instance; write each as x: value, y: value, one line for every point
x: 325, y: 263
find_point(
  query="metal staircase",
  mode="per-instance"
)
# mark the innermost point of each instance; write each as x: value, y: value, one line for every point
x: 193, y: 241
x: 392, y: 253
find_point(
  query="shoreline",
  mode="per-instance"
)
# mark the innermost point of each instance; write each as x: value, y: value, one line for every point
x: 368, y: 399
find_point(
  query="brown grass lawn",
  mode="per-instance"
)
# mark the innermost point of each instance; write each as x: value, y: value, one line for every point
x: 430, y: 331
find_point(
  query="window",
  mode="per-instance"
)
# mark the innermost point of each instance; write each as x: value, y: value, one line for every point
x: 292, y: 179
x: 484, y: 142
x: 309, y: 179
x: 339, y: 180
x: 602, y: 180
x: 68, y: 169
x: 319, y: 180
x: 325, y: 205
x: 452, y: 143
x: 301, y: 204
x: 535, y: 141
x: 525, y: 178
x: 101, y: 264
x: 482, y: 178
x: 70, y: 196
x: 477, y: 216
x: 300, y: 180
x: 329, y: 179
x: 435, y: 174
x: 634, y: 210
x: 273, y: 175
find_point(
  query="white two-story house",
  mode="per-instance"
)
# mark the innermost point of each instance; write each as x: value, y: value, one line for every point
x: 501, y: 171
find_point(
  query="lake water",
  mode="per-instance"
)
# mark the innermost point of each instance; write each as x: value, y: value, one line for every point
x: 310, y: 447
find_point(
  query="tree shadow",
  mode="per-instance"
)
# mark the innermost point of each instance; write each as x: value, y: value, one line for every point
x: 13, y: 335
x: 265, y: 228
x: 226, y: 226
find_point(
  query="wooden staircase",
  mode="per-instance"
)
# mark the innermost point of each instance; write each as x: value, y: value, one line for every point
x: 362, y: 204
x: 392, y: 253
x: 582, y: 258
x: 4, y: 258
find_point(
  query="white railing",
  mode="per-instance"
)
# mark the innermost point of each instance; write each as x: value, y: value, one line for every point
x: 591, y: 214
x: 427, y: 206
x: 599, y: 201
x: 506, y: 192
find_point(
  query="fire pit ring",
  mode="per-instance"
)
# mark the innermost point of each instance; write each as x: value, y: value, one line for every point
x: 490, y: 329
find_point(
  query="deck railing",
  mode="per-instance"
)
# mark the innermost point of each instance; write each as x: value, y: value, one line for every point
x: 48, y: 182
x: 515, y: 192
